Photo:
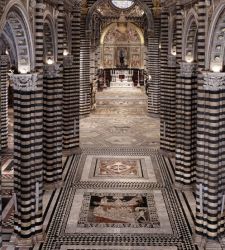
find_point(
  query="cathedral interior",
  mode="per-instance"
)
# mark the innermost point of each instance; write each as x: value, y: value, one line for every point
x: 112, y: 124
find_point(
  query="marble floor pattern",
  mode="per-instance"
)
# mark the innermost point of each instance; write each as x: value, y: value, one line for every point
x: 120, y: 119
x: 118, y: 194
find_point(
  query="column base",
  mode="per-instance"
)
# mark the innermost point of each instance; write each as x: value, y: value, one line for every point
x: 72, y: 151
x: 167, y: 153
x: 154, y: 115
x: 184, y: 187
x: 206, y: 244
x: 53, y: 186
x: 27, y: 243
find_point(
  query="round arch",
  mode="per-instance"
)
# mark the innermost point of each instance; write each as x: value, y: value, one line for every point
x: 112, y: 25
x: 15, y: 21
x: 190, y: 37
x: 49, y: 37
x: 215, y: 46
x: 139, y: 2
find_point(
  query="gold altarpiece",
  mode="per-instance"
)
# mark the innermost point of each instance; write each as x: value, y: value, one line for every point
x: 122, y: 48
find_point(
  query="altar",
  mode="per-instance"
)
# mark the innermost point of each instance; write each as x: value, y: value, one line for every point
x: 121, y: 78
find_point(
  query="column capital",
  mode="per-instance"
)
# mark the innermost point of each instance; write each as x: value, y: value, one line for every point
x: 4, y: 59
x: 52, y: 70
x: 187, y: 69
x: 41, y: 6
x: 24, y: 82
x: 213, y: 80
x: 172, y: 60
x: 68, y: 60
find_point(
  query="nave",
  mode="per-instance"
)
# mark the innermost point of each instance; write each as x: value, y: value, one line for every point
x: 119, y: 193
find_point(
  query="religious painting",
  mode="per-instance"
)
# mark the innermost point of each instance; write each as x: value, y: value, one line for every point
x: 126, y: 168
x: 108, y: 57
x: 119, y: 210
x: 122, y: 59
x: 108, y: 61
x: 135, y: 50
x: 135, y: 61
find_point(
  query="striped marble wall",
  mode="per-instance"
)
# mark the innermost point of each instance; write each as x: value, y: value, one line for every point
x: 167, y: 91
x: 28, y: 149
x: 52, y: 113
x: 71, y: 89
x: 4, y: 100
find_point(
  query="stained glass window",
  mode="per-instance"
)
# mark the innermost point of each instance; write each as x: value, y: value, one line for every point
x: 123, y: 4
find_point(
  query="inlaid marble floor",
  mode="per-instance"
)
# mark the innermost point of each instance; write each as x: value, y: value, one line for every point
x: 120, y: 119
x: 118, y: 198
x: 118, y: 194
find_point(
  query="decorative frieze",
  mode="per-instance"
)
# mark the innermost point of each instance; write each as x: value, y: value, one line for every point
x: 68, y: 61
x: 171, y: 61
x: 52, y: 70
x: 24, y: 82
x: 187, y: 69
x: 214, y: 80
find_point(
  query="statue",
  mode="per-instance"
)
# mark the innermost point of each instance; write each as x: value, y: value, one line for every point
x: 122, y: 57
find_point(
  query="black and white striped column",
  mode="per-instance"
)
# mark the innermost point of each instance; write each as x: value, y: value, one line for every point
x: 52, y: 116
x: 154, y: 69
x: 28, y: 149
x: 4, y: 100
x: 186, y: 109
x: 85, y: 87
x: 210, y: 173
x: 167, y: 90
x: 71, y: 89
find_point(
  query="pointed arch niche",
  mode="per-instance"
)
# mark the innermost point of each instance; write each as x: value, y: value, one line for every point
x: 113, y: 42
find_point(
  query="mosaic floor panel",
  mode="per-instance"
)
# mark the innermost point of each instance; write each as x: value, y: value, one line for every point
x: 105, y: 214
x: 107, y: 168
x: 118, y: 194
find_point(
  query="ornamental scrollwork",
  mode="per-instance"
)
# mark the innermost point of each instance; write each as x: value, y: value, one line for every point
x: 68, y: 61
x: 172, y: 61
x: 24, y: 82
x: 187, y: 69
x: 214, y: 81
x: 52, y: 70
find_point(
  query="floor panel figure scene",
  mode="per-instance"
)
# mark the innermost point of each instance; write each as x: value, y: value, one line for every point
x: 118, y: 194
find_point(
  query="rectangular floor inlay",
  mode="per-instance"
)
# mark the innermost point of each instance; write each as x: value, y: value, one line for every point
x: 138, y: 211
x: 119, y: 168
x: 119, y: 210
x: 117, y: 248
x: 109, y: 167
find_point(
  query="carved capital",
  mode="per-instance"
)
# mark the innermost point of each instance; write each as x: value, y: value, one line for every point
x: 68, y: 61
x: 24, y: 82
x: 52, y: 70
x: 41, y: 6
x: 214, y: 80
x: 4, y: 59
x: 171, y: 61
x: 187, y: 69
